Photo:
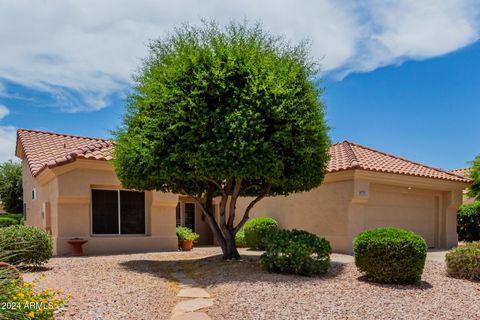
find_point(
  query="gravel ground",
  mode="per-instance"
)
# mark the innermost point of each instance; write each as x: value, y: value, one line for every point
x: 138, y: 286
x: 133, y: 286
x: 243, y: 291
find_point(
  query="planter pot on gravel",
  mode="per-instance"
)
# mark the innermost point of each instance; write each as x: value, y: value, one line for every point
x: 76, y: 245
x: 186, y: 245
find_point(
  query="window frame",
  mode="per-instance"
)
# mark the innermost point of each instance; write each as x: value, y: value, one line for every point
x: 119, y: 234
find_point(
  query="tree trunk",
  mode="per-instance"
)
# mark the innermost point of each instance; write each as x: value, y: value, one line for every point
x: 230, y: 251
x: 224, y: 230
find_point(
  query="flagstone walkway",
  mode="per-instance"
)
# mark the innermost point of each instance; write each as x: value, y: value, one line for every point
x: 198, y: 299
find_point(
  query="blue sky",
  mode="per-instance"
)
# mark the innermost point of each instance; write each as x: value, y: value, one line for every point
x: 399, y: 77
x: 425, y: 111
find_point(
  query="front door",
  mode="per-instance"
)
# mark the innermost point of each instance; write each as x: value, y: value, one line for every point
x: 190, y: 215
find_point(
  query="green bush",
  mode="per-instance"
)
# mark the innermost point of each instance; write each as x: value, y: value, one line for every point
x: 468, y: 222
x: 7, y: 222
x: 296, y: 252
x: 464, y: 261
x: 184, y: 233
x: 240, y: 239
x: 16, y: 216
x: 390, y: 255
x: 25, y: 245
x: 256, y: 229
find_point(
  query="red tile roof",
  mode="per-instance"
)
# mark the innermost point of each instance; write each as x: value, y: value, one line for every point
x: 47, y: 150
x: 464, y: 172
x: 347, y: 156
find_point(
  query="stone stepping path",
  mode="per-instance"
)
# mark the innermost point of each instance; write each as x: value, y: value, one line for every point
x: 193, y: 293
x: 198, y: 299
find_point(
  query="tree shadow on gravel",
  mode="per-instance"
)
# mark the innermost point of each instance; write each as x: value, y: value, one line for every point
x: 213, y: 270
x: 421, y: 285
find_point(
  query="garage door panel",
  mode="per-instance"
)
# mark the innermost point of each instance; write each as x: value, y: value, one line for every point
x: 414, y: 212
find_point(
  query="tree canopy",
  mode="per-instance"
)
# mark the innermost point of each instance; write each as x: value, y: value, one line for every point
x: 474, y: 190
x: 224, y: 112
x: 11, y: 191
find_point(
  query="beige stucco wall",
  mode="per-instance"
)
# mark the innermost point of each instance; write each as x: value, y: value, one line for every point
x: 351, y: 202
x: 323, y: 211
x: 38, y: 210
x: 65, y: 192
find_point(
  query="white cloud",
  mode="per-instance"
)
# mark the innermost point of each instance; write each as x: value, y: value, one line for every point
x: 8, y: 136
x: 89, y: 49
x: 3, y: 111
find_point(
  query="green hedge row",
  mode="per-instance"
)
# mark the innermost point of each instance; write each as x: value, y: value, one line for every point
x: 468, y: 222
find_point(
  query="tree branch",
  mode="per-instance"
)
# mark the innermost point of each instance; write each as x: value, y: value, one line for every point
x: 233, y: 202
x: 211, y: 218
x: 218, y: 186
x: 250, y: 206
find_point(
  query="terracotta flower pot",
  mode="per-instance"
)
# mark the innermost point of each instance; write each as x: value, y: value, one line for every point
x: 186, y: 245
x: 76, y: 245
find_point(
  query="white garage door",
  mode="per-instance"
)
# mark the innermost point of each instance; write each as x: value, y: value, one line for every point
x: 414, y: 211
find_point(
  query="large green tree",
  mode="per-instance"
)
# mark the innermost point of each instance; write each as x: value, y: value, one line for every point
x: 474, y: 190
x: 224, y: 112
x: 11, y: 192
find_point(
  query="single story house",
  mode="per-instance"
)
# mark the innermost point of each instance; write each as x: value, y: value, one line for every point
x: 71, y: 190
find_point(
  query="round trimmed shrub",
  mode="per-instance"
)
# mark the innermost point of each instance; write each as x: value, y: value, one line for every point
x: 468, y: 222
x: 26, y: 245
x: 7, y: 222
x: 464, y: 261
x: 297, y: 252
x: 240, y: 239
x: 390, y: 255
x: 257, y: 229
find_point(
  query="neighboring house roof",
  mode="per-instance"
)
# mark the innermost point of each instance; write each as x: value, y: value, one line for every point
x: 347, y: 156
x: 464, y: 172
x: 47, y: 150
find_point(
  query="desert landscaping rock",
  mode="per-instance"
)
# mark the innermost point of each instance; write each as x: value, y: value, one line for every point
x: 191, y: 316
x: 193, y: 293
x: 192, y: 305
x: 140, y: 286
